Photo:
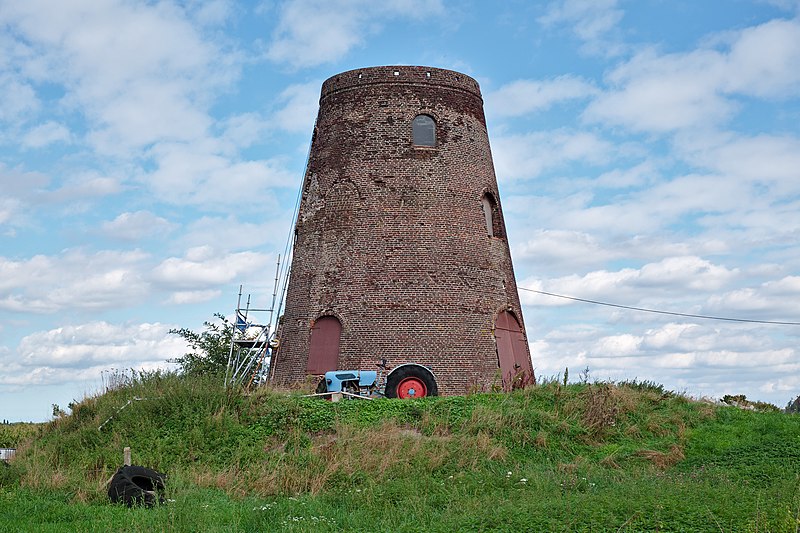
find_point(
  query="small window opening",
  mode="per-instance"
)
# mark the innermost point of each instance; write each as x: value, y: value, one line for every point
x: 424, y: 130
x: 491, y: 215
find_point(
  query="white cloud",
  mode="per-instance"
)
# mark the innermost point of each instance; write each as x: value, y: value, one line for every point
x: 682, y: 285
x: 300, y: 105
x: 202, y: 267
x: 789, y: 285
x: 772, y: 160
x: 527, y: 156
x: 555, y: 251
x: 82, y: 352
x: 9, y: 207
x: 618, y: 345
x: 631, y: 286
x: 229, y: 233
x: 80, y: 282
x: 244, y: 129
x: 663, y: 93
x: 19, y: 99
x: 192, y: 297
x: 21, y: 184
x: 140, y: 73
x: 82, y: 187
x: 150, y: 112
x: 526, y: 96
x: 772, y: 300
x: 313, y: 32
x: 143, y: 79
x: 639, y: 175
x: 84, y: 281
x: 136, y: 225
x: 197, y: 174
x: 38, y: 188
x: 654, y: 246
x: 764, y: 60
x: 673, y: 336
x: 732, y: 207
x: 706, y: 358
x: 757, y: 184
x: 590, y: 20
x: 211, y: 12
x: 693, y: 273
x: 47, y: 133
x: 556, y: 248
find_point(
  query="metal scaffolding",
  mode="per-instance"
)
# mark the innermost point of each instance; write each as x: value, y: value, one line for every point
x: 252, y: 343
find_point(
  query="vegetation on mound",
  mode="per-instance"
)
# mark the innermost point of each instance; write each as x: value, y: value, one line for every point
x: 567, y: 457
x: 13, y: 434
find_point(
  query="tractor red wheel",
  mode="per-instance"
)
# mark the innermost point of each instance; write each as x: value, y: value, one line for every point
x: 411, y: 388
x: 411, y: 381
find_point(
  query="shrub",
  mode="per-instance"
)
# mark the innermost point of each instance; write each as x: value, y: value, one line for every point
x: 210, y: 348
x: 741, y: 401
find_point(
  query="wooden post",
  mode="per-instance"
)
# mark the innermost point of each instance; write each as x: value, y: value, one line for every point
x: 127, y: 455
x: 336, y: 396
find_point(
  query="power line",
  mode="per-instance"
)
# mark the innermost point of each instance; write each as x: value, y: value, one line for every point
x: 689, y: 315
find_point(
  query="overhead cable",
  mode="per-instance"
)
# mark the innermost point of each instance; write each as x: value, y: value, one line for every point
x: 642, y: 309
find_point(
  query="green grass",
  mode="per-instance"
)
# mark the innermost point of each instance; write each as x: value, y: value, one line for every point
x: 593, y: 457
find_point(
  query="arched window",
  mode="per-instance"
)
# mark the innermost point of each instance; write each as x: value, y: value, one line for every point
x: 424, y: 130
x: 491, y: 215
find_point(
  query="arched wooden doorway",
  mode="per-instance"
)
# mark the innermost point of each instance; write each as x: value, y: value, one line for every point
x: 323, y: 348
x: 512, y: 350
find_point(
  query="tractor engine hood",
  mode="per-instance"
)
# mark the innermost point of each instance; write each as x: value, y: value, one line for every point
x: 335, y: 378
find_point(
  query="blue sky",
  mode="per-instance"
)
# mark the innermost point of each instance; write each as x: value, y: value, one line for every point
x: 647, y: 152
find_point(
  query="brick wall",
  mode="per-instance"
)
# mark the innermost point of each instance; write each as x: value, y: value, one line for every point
x: 391, y: 238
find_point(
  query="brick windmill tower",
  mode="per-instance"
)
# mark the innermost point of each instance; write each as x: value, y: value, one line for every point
x: 401, y: 249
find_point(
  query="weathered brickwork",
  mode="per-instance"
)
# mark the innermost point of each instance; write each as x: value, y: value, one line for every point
x: 392, y: 239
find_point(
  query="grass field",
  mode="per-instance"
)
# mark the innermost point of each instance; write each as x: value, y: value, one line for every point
x: 582, y: 457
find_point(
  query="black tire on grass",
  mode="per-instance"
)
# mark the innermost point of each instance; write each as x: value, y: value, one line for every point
x: 137, y: 485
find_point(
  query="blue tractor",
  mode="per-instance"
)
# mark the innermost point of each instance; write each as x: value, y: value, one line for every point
x: 405, y: 381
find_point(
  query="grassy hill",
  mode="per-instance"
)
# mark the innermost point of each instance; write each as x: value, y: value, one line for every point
x: 599, y: 457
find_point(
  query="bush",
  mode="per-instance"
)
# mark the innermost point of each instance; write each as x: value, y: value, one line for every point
x: 741, y: 401
x: 12, y: 435
x: 210, y: 348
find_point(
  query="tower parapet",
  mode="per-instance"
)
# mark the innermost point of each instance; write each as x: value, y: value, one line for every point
x: 400, y: 75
